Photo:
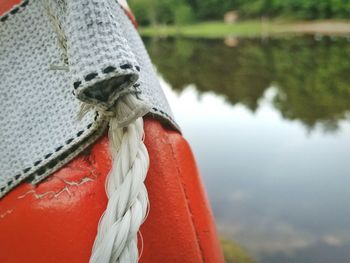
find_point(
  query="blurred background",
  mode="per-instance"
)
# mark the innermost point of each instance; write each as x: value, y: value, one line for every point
x: 261, y: 89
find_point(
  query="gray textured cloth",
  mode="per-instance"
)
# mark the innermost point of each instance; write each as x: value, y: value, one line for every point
x: 54, y: 55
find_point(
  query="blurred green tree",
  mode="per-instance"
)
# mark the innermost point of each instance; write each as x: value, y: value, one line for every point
x: 182, y: 11
x: 183, y: 14
x: 154, y: 12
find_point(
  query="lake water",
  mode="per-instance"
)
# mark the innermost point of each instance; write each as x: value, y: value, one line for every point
x: 269, y: 123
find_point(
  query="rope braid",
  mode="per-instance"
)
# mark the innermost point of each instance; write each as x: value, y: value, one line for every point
x: 127, y: 207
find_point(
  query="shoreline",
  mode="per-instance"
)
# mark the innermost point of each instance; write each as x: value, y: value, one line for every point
x: 251, y: 28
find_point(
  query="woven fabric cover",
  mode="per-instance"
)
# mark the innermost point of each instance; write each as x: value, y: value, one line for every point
x: 55, y: 55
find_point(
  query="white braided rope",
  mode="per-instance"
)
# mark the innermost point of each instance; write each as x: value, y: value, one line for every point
x: 127, y: 207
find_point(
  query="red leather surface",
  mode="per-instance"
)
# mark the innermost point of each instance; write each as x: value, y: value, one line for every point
x: 56, y: 221
x: 180, y: 226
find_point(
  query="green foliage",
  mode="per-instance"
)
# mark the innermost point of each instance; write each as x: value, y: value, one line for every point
x: 154, y: 12
x: 183, y: 14
x: 211, y: 9
x: 185, y: 11
x: 311, y: 78
x: 299, y: 9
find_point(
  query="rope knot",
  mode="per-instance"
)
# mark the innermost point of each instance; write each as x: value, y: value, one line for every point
x: 126, y: 110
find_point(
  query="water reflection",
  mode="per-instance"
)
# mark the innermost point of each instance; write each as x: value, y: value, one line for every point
x: 312, y: 77
x: 276, y: 188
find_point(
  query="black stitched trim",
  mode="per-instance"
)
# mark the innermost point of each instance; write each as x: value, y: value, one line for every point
x: 14, y: 10
x: 63, y: 156
x: 106, y: 70
x: 26, y: 170
x: 58, y: 148
x: 76, y: 84
x: 41, y: 171
x: 4, y: 18
x: 80, y: 133
x: 25, y: 3
x: 52, y: 163
x: 91, y: 76
x: 126, y: 66
x: 69, y: 140
x: 109, y: 69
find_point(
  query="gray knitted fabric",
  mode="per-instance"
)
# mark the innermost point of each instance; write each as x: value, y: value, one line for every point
x: 54, y: 55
